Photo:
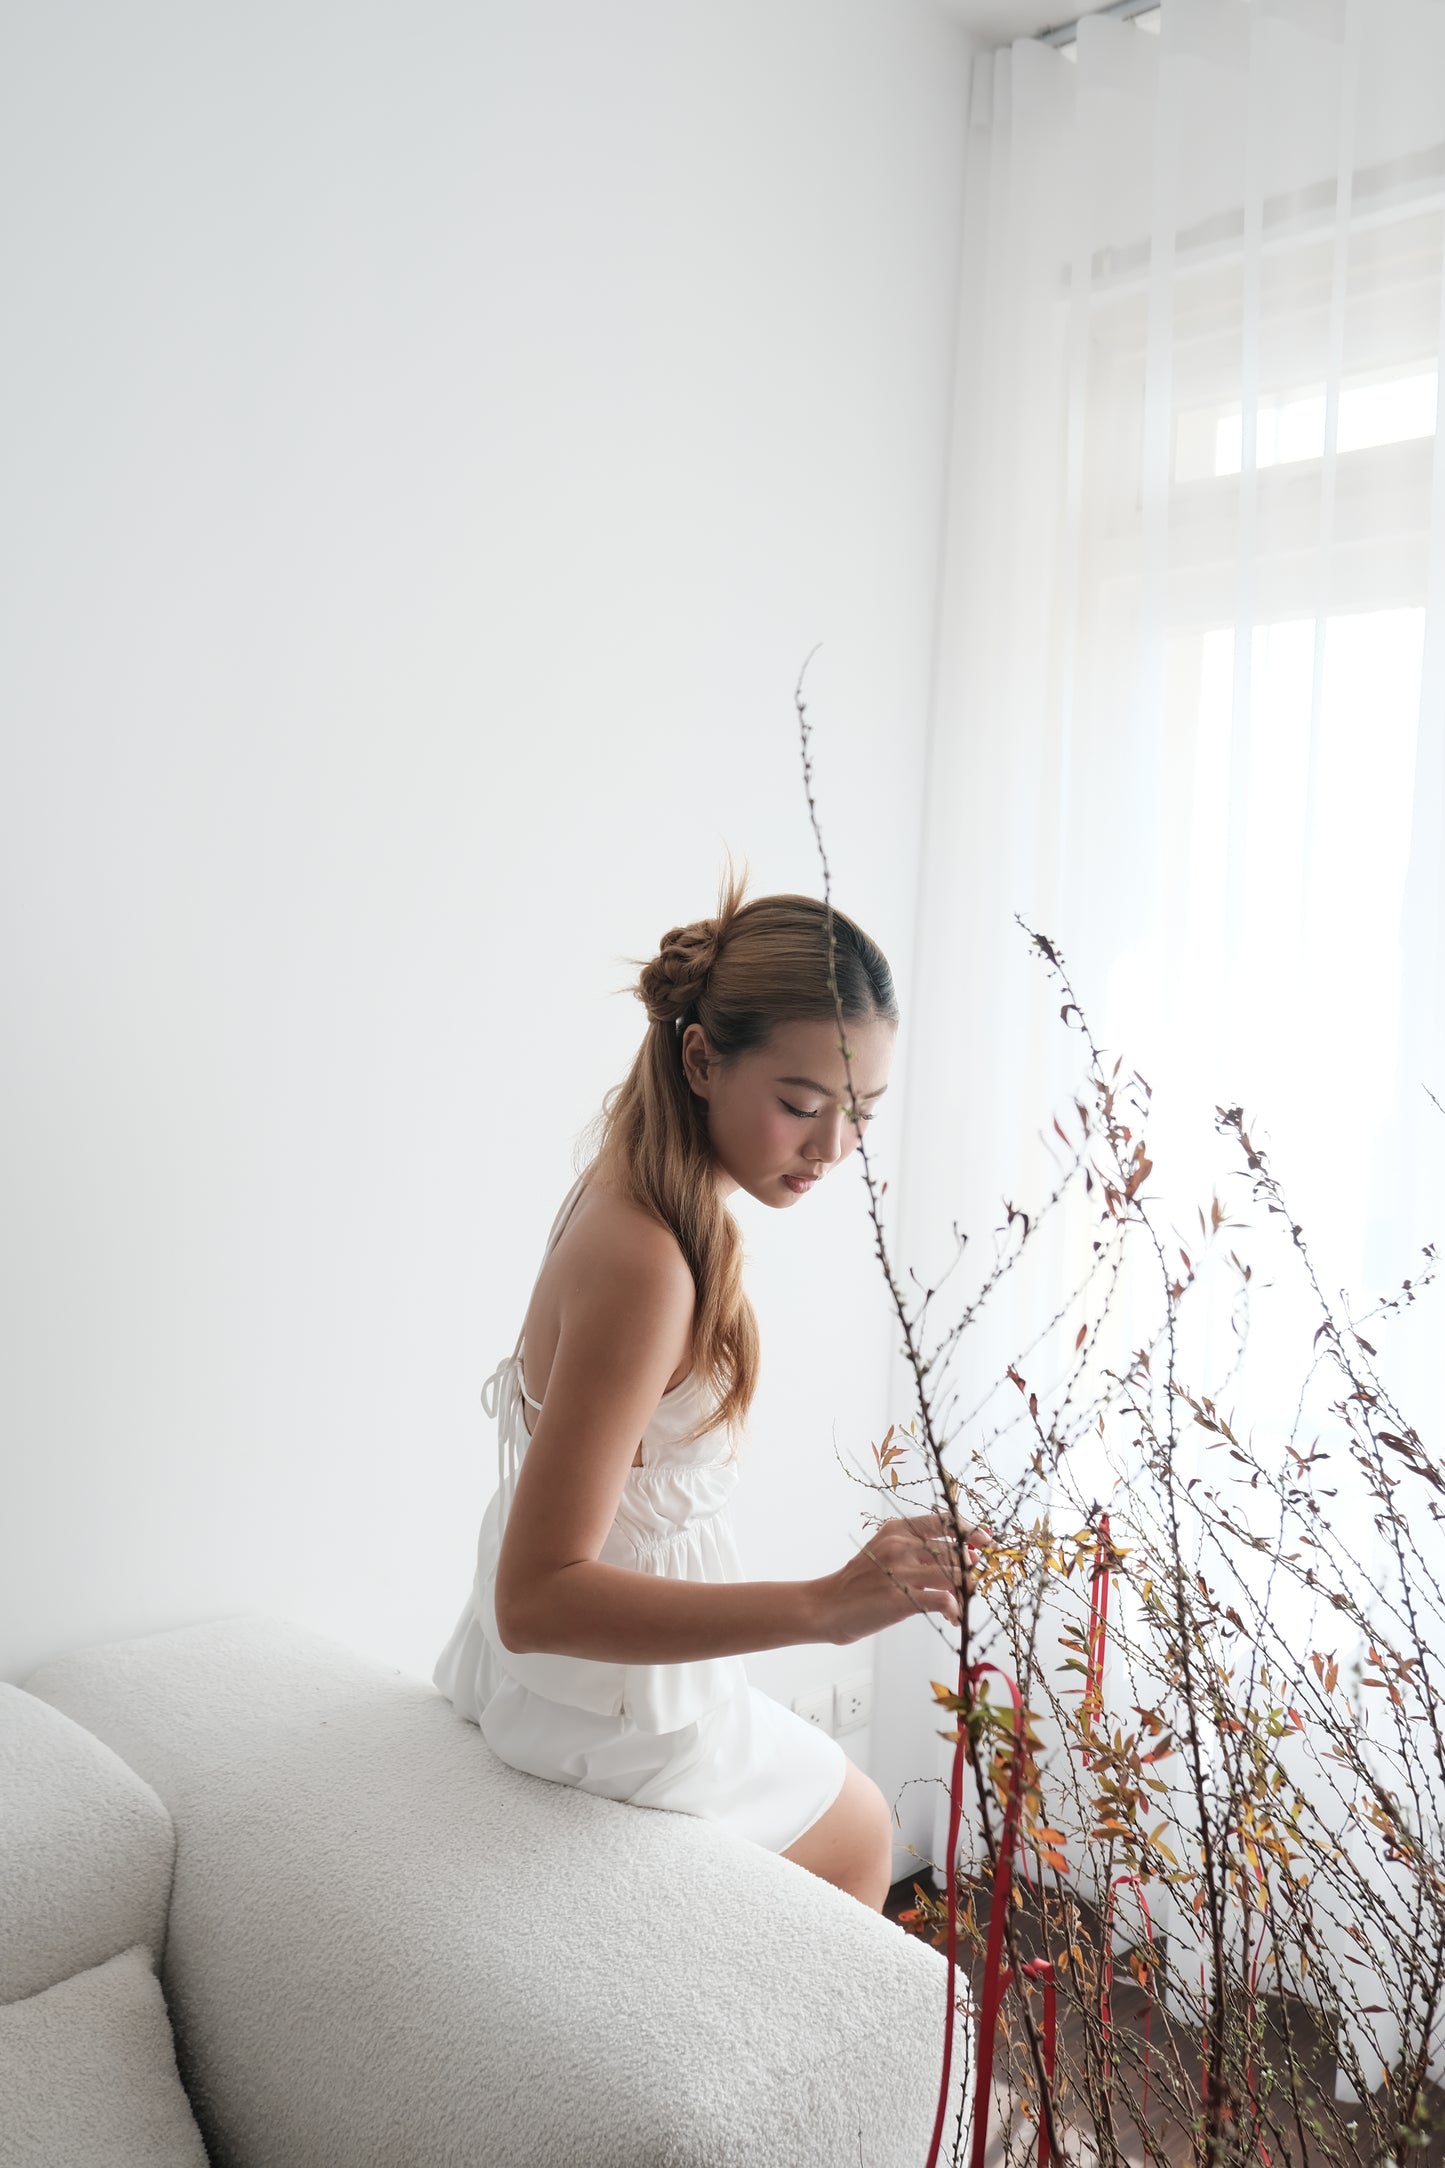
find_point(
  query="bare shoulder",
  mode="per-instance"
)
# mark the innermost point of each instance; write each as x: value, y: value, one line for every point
x: 613, y: 1236
x: 616, y: 1277
x: 621, y: 1282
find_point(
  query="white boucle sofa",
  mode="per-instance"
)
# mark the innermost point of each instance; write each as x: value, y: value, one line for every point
x: 377, y: 1946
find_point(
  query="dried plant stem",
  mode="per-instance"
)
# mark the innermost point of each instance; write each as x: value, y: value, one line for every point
x: 919, y: 1368
x: 1310, y: 1816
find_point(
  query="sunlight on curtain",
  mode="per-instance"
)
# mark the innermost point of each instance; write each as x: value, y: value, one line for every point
x: 1290, y: 424
x: 1190, y: 692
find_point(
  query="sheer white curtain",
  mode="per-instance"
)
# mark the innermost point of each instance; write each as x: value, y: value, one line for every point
x: 1190, y: 693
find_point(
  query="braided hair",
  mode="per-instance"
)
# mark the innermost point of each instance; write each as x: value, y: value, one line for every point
x: 671, y: 984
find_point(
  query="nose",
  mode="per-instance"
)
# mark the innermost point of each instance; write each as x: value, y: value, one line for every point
x: 838, y: 1134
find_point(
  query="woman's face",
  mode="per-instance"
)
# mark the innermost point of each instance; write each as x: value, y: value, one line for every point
x: 780, y: 1111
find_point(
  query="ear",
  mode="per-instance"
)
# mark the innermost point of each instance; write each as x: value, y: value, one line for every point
x: 696, y: 1060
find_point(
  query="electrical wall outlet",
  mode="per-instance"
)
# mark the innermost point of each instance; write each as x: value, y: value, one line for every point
x: 816, y: 1707
x: 853, y: 1702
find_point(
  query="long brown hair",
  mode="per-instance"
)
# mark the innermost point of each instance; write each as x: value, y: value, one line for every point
x: 752, y: 967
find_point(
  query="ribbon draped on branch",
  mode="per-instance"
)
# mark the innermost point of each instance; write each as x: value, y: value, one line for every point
x: 955, y: 1812
x: 994, y: 1977
x: 997, y: 1979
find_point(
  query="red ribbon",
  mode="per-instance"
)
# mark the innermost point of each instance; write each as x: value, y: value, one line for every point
x: 955, y: 1811
x: 995, y: 1980
x: 1038, y: 1968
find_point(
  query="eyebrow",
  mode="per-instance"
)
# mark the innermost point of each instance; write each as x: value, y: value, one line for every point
x: 811, y: 1084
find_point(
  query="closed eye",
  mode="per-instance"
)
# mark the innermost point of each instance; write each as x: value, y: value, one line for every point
x: 806, y: 1114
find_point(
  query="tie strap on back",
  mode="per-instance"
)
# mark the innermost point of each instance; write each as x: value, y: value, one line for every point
x: 501, y: 1395
x: 502, y: 1400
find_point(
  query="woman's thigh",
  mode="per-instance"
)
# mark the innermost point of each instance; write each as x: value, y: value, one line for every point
x: 851, y: 1845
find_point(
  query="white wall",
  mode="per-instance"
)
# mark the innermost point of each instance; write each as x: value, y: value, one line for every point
x: 434, y: 439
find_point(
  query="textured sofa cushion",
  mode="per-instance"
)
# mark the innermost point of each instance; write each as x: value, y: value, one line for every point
x: 386, y: 1949
x: 87, y: 1850
x: 88, y: 2075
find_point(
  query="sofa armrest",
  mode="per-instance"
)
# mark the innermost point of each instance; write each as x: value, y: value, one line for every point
x: 368, y: 1969
x: 86, y: 1850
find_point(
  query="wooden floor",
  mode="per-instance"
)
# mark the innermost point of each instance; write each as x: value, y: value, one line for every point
x: 1173, y: 2051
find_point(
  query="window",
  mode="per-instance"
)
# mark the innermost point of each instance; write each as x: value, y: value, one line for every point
x: 1387, y: 407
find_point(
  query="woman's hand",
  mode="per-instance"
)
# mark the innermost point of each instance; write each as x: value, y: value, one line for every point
x: 907, y: 1565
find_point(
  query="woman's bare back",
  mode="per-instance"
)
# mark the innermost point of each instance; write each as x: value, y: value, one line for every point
x: 602, y: 1228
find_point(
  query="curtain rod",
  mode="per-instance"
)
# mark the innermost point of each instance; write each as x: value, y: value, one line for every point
x: 1122, y: 11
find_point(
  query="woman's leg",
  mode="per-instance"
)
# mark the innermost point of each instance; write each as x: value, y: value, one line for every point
x: 851, y: 1845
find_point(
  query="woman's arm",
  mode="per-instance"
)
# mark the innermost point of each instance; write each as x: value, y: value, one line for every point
x: 626, y: 1312
x: 622, y: 1617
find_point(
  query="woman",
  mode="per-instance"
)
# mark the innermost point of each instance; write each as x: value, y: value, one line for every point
x: 603, y: 1640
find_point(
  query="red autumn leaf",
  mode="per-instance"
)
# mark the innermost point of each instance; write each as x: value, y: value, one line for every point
x: 1144, y: 1168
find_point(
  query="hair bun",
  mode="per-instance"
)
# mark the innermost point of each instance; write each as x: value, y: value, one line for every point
x: 676, y: 975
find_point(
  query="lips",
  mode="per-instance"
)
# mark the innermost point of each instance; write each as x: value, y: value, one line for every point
x: 801, y: 1182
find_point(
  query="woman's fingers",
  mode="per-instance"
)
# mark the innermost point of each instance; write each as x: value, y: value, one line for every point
x: 945, y: 1551
x: 942, y: 1558
x: 931, y: 1548
x: 979, y: 1537
x: 940, y: 1568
